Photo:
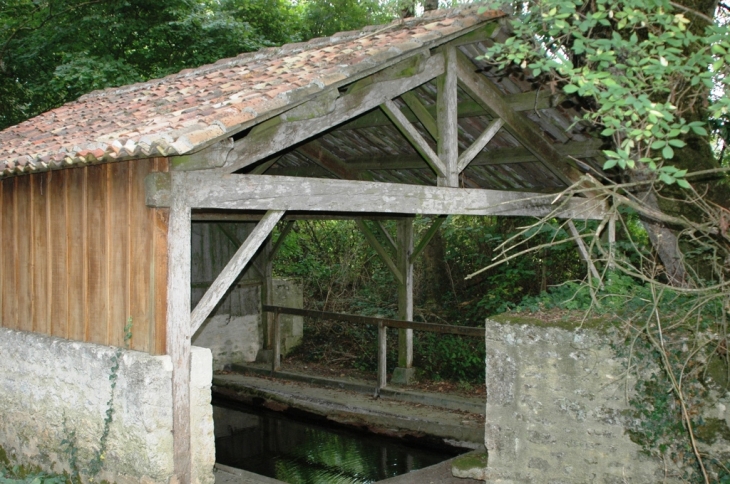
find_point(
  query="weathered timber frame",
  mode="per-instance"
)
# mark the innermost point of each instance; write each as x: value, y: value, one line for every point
x: 210, y: 183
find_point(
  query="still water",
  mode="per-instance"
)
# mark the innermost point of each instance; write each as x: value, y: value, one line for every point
x: 303, y: 452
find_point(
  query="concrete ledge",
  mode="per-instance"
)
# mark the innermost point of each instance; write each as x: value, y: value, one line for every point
x: 387, y: 417
x: 453, y: 402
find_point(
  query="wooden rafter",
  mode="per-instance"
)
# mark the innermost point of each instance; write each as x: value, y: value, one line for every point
x: 414, y: 137
x: 421, y: 113
x: 484, y: 92
x: 478, y: 145
x: 526, y: 101
x: 282, y: 132
x: 324, y: 158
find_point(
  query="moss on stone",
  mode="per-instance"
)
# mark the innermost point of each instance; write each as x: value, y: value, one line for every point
x: 717, y: 372
x: 568, y: 323
x: 472, y: 460
x: 711, y: 429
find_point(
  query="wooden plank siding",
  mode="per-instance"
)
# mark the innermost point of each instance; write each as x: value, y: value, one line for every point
x: 81, y: 253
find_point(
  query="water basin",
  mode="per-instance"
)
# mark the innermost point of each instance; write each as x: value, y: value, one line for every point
x: 304, y: 450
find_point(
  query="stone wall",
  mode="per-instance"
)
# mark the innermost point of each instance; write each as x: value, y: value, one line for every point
x: 237, y: 338
x: 555, y: 399
x: 53, y: 401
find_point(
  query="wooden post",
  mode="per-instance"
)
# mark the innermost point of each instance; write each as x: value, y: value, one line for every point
x: 584, y: 251
x: 382, y: 355
x: 178, y: 333
x: 404, y: 239
x: 267, y: 294
x: 276, y: 359
x: 611, y: 241
x: 446, y: 119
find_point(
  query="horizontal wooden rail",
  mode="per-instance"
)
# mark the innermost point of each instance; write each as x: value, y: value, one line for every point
x: 392, y: 323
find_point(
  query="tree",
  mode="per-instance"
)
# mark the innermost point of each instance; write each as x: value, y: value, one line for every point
x: 651, y: 77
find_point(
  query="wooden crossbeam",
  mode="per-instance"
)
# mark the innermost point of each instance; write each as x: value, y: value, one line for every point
x: 280, y: 240
x: 210, y: 190
x: 478, y: 145
x: 281, y: 133
x: 414, y: 137
x: 426, y: 238
x: 526, y: 101
x: 233, y: 269
x: 324, y: 158
x: 381, y: 228
x: 421, y: 113
x: 370, y: 237
x: 484, y: 92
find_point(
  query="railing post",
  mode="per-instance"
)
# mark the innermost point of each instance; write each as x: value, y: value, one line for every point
x: 276, y: 359
x: 382, y: 355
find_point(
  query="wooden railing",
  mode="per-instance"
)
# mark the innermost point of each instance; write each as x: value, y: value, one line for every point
x: 381, y: 323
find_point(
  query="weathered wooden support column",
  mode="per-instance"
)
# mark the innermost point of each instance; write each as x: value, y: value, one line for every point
x: 179, y: 332
x: 446, y: 120
x: 265, y: 354
x: 404, y: 373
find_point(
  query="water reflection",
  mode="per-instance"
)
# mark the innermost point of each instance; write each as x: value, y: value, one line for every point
x: 298, y: 452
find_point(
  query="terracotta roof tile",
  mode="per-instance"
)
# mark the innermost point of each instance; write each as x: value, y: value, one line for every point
x: 179, y: 113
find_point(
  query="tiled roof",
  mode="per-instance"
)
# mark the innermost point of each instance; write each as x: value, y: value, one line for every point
x: 176, y: 114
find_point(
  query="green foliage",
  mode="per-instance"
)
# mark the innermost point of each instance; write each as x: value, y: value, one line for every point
x: 449, y: 357
x: 53, y: 51
x: 645, y: 71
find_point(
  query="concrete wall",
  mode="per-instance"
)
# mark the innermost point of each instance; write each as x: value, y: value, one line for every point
x: 555, y: 399
x: 289, y: 293
x: 236, y: 338
x: 53, y: 390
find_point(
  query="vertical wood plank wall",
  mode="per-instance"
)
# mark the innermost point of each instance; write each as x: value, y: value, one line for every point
x: 213, y: 245
x: 80, y: 253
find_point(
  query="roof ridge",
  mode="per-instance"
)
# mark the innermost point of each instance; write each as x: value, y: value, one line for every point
x: 287, y: 49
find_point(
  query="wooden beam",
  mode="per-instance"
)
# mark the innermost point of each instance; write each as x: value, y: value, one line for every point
x: 502, y: 156
x: 382, y: 357
x: 446, y: 112
x: 381, y: 228
x: 404, y: 238
x: 478, y: 145
x: 228, y: 216
x: 421, y: 113
x: 209, y: 190
x: 413, y: 136
x: 284, y: 134
x: 324, y: 158
x: 370, y: 237
x: 233, y: 269
x: 426, y: 238
x: 282, y: 236
x: 179, y: 334
x: 583, y: 250
x: 484, y: 92
x: 261, y: 169
x: 526, y: 101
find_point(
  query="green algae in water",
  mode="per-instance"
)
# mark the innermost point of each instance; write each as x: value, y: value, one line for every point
x: 299, y: 452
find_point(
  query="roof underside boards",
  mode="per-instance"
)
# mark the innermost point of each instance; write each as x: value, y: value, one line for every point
x: 200, y: 112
